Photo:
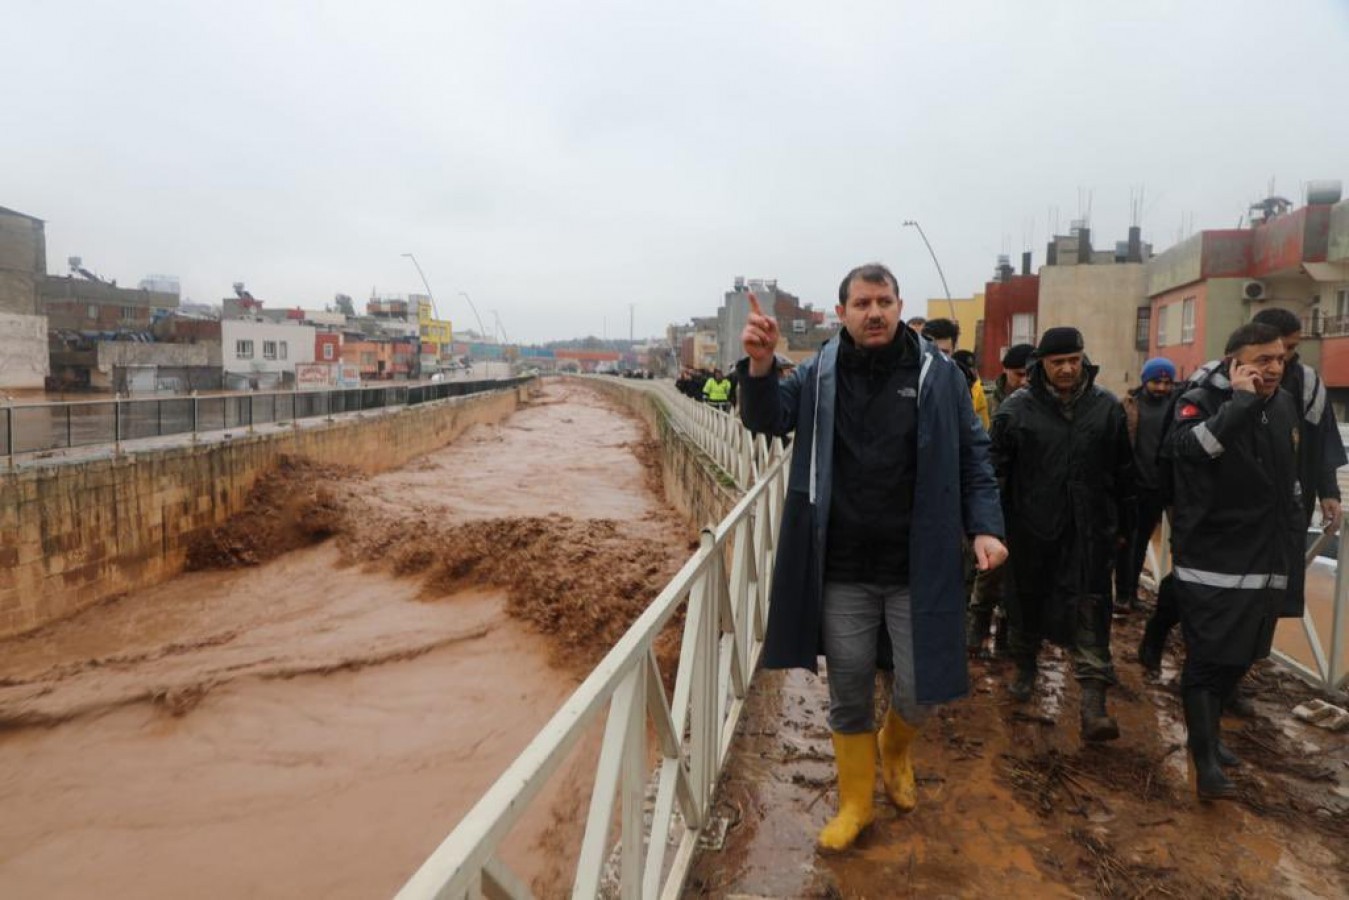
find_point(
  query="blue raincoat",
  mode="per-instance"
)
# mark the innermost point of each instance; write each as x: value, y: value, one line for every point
x: 955, y: 495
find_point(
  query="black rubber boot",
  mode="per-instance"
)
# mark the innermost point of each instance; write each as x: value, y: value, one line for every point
x: 1226, y: 758
x: 1201, y: 721
x: 1238, y: 704
x: 1151, y: 647
x: 976, y: 630
x: 1024, y: 684
x: 1097, y: 725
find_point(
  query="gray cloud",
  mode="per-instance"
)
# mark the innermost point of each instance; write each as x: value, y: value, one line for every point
x: 561, y: 160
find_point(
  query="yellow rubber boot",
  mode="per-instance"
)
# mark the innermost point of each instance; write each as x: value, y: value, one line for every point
x: 896, y: 740
x: 855, y: 756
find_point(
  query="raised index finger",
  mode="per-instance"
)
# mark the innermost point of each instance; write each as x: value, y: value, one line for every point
x: 754, y: 306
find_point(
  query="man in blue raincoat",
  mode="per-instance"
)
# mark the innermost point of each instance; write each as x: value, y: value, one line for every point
x: 891, y: 465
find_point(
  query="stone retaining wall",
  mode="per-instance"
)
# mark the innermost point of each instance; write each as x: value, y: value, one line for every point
x: 73, y: 534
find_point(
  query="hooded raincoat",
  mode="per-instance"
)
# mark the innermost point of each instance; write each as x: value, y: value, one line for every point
x: 955, y: 496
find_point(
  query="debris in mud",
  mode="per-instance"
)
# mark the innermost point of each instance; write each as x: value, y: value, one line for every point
x: 290, y: 507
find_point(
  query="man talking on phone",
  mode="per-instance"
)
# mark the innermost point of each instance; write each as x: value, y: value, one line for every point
x: 1232, y: 461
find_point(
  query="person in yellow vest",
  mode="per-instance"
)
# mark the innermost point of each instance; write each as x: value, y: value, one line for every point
x: 717, y: 390
x: 945, y: 333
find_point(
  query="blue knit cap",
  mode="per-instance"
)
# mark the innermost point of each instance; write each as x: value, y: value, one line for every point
x: 1158, y: 367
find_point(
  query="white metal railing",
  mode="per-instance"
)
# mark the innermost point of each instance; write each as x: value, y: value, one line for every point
x: 725, y: 620
x: 1328, y: 669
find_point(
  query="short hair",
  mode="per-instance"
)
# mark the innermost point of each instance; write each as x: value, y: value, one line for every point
x: 1284, y: 321
x: 1251, y: 334
x: 873, y: 273
x: 917, y: 323
x: 942, y: 329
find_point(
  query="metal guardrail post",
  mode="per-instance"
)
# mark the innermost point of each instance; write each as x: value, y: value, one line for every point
x: 1339, y: 618
x: 196, y: 416
x: 250, y: 413
x: 9, y: 435
x: 69, y: 430
x: 117, y: 426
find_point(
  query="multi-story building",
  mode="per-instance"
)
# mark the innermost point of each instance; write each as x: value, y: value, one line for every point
x: 1011, y: 304
x: 23, y: 328
x: 262, y: 355
x: 1201, y: 289
x: 1098, y: 292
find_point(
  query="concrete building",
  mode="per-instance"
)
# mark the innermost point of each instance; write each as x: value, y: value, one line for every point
x: 734, y: 313
x: 1204, y: 287
x: 23, y: 328
x: 1099, y: 292
x: 1011, y: 304
x: 262, y: 355
x: 969, y: 315
x: 85, y: 304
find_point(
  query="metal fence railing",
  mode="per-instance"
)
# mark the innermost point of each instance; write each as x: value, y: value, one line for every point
x: 726, y: 613
x: 735, y: 450
x: 39, y: 427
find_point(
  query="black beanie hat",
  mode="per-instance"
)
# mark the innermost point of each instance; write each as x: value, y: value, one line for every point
x: 1017, y: 357
x: 1055, y: 341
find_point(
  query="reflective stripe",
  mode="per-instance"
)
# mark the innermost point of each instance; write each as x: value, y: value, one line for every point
x: 1313, y: 395
x: 1212, y: 446
x: 1226, y: 580
x: 815, y: 426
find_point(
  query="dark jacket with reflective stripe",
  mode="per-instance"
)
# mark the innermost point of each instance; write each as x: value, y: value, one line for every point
x: 1321, y: 451
x: 1237, y: 516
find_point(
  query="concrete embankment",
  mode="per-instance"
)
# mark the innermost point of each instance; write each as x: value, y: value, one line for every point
x: 73, y: 534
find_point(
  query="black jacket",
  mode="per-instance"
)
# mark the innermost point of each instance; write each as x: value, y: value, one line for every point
x: 1237, y: 530
x: 1321, y: 451
x: 1064, y: 469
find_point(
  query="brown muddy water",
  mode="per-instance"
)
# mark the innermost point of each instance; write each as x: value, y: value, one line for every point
x: 354, y: 664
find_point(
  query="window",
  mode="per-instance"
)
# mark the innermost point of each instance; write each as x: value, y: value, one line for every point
x: 1187, y: 321
x: 285, y: 350
x: 328, y: 351
x: 1143, y: 328
x: 269, y: 349
x: 128, y: 312
x: 1342, y: 303
x: 1162, y: 314
x: 1023, y: 328
x: 243, y: 349
x: 93, y: 311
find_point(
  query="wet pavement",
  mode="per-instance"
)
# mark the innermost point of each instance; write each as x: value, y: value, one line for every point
x: 316, y: 724
x: 1013, y: 805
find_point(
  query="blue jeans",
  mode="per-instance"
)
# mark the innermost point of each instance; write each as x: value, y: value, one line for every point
x: 853, y: 616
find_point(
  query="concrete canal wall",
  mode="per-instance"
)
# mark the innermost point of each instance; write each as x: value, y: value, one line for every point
x: 75, y: 533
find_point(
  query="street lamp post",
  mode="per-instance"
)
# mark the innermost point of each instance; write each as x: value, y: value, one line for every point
x: 481, y: 330
x: 940, y: 274
x: 425, y: 284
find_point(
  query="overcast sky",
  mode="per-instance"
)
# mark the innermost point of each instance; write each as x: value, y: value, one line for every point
x: 560, y: 160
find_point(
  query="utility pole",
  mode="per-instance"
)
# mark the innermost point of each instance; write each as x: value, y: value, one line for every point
x: 430, y: 296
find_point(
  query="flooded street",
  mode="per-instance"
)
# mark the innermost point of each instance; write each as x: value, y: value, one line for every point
x: 315, y: 724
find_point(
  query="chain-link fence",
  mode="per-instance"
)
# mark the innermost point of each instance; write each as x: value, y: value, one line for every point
x: 38, y: 427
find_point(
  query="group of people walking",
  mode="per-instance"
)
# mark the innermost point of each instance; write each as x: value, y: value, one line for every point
x: 911, y: 487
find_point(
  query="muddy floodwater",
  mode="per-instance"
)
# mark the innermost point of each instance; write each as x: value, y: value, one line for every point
x: 355, y: 662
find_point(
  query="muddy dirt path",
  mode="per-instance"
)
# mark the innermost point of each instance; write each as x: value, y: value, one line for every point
x: 1012, y: 805
x: 313, y: 724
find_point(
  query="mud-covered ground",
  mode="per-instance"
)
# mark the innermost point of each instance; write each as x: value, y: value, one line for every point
x: 350, y: 665
x: 1012, y: 804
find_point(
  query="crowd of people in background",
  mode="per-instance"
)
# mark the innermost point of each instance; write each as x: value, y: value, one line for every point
x: 899, y: 440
